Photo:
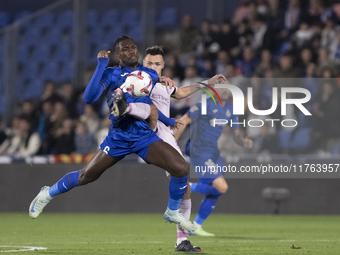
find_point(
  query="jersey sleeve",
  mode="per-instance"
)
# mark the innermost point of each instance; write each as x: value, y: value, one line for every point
x: 106, y: 78
x: 195, y: 111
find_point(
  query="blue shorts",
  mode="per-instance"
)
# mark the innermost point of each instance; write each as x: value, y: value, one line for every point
x: 204, y: 173
x: 119, y: 148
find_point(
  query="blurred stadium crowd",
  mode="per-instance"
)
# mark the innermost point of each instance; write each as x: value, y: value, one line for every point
x: 265, y: 43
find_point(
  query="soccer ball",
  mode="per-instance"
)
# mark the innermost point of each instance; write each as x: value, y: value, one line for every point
x: 138, y: 84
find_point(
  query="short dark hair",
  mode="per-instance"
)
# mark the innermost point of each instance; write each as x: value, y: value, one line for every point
x: 155, y: 50
x: 119, y: 39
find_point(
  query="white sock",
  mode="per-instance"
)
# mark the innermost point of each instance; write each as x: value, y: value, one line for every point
x: 140, y: 110
x: 197, y: 225
x: 185, y: 209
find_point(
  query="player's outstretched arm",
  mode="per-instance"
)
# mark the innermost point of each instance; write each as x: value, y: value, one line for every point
x: 188, y: 90
x: 94, y: 89
x: 185, y: 121
x: 242, y: 140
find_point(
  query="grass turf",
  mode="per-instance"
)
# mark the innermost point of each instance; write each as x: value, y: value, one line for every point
x: 148, y: 234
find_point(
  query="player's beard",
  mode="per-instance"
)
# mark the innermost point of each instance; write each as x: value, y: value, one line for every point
x: 132, y: 61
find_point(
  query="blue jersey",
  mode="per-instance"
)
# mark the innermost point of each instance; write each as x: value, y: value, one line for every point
x: 126, y: 127
x: 203, y: 135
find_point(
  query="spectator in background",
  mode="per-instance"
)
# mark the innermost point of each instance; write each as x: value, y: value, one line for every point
x: 206, y: 40
x: 263, y: 35
x: 50, y: 93
x: 326, y: 121
x: 266, y: 63
x: 54, y: 124
x: 235, y: 79
x: 47, y: 111
x: 10, y: 133
x: 227, y: 38
x: 324, y: 61
x: 306, y: 57
x: 318, y: 11
x: 25, y: 142
x: 207, y: 70
x: 84, y: 141
x: 247, y: 65
x: 70, y: 100
x: 286, y: 69
x: 168, y: 72
x: 188, y: 35
x: 292, y: 17
x: 245, y: 37
x: 266, y: 141
x: 274, y: 15
x: 91, y: 119
x: 335, y: 48
x: 327, y: 72
x: 64, y: 138
x: 222, y: 61
x: 29, y: 112
x: 328, y: 34
x: 303, y: 36
x: 171, y: 61
x: 180, y: 107
x: 3, y: 135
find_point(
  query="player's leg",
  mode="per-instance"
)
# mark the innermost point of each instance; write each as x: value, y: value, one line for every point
x: 91, y: 172
x: 218, y: 187
x: 165, y: 156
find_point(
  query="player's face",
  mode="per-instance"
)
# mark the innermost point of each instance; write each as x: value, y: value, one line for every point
x: 155, y: 62
x: 128, y: 53
x: 223, y: 93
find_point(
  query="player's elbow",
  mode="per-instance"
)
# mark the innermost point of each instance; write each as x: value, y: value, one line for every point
x: 88, y: 99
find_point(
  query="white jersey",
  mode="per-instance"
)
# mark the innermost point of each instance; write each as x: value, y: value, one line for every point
x: 160, y: 96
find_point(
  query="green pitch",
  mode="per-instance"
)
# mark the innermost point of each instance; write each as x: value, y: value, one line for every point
x: 148, y: 234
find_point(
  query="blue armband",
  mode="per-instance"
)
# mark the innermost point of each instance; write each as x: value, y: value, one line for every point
x: 167, y: 121
x: 94, y: 89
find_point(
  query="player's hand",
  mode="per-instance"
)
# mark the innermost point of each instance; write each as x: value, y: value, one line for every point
x: 247, y: 143
x: 103, y: 54
x: 176, y: 126
x: 167, y: 82
x: 218, y: 79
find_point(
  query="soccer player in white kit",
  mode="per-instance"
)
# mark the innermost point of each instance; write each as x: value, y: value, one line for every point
x: 160, y: 96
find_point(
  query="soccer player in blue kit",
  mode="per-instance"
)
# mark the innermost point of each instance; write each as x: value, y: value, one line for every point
x: 128, y: 133
x: 204, y: 152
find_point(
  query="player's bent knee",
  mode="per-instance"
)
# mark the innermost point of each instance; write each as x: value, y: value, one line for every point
x: 180, y: 169
x: 223, y: 188
x: 221, y: 185
x: 84, y: 178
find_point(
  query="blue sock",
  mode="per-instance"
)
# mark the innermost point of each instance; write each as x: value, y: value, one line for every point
x: 207, y: 206
x: 204, y: 188
x: 68, y: 182
x: 177, y: 188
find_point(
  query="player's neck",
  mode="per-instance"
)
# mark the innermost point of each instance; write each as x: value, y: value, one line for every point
x: 132, y: 67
